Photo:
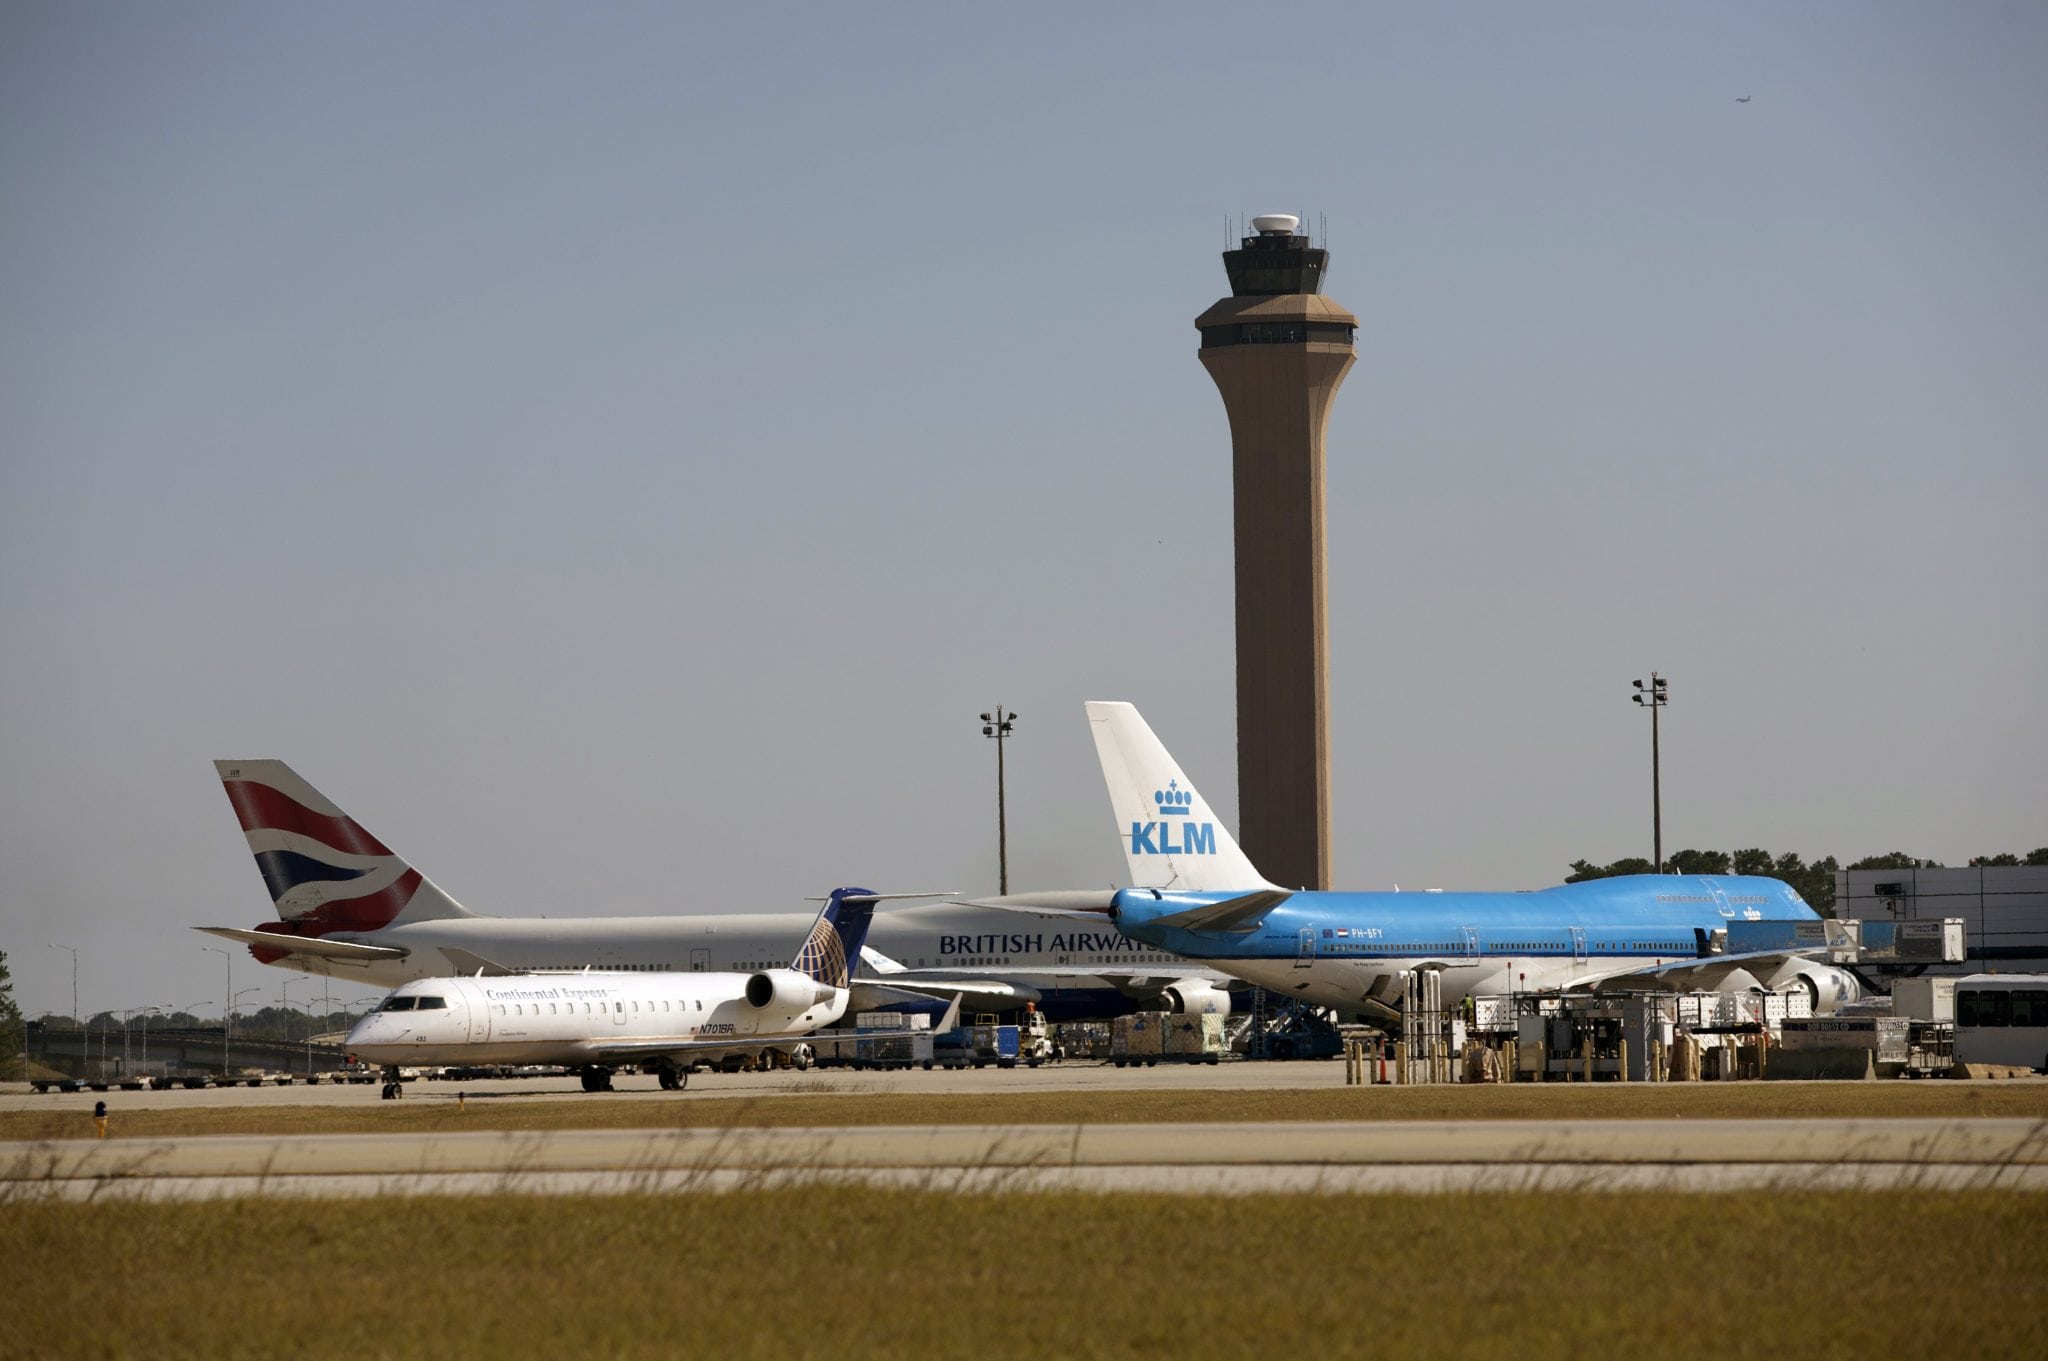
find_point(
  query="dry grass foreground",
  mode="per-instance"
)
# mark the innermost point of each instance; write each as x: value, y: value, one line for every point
x: 70, y: 1117
x: 843, y: 1273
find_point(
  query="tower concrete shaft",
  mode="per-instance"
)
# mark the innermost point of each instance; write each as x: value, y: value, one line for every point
x: 1278, y: 351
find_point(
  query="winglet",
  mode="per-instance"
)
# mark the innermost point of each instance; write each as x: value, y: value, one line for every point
x: 880, y: 962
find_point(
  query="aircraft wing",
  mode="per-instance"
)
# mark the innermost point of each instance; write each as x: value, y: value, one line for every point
x: 1086, y: 904
x: 1236, y: 916
x: 893, y: 995
x: 1705, y: 972
x: 345, y: 950
x: 475, y: 965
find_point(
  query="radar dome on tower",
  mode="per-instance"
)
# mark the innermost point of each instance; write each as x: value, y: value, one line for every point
x: 1276, y: 224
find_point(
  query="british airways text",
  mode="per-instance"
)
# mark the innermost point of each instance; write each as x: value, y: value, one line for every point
x: 1063, y: 942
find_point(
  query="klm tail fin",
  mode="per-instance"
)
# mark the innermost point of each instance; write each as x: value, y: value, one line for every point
x: 325, y: 873
x: 836, y: 937
x: 1169, y: 836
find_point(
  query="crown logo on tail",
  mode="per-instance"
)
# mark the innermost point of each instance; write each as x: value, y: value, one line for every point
x: 1173, y: 801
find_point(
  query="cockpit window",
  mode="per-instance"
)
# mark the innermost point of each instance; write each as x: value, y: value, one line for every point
x: 398, y: 1004
x: 433, y: 1004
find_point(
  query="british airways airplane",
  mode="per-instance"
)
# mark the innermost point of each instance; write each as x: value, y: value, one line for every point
x: 1194, y: 893
x: 350, y: 907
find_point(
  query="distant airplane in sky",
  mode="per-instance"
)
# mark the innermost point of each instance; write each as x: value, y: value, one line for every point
x: 1196, y: 894
x: 1742, y: 99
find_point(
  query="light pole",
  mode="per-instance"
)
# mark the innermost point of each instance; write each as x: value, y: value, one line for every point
x: 163, y: 1010
x: 1653, y: 697
x: 233, y: 1002
x: 126, y: 1067
x: 998, y: 725
x: 228, y: 1006
x: 285, y: 1000
x: 127, y: 1061
x: 75, y: 1018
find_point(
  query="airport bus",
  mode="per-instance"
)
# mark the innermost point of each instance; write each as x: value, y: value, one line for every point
x: 2002, y: 1018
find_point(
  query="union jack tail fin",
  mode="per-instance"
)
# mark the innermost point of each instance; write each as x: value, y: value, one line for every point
x: 324, y: 872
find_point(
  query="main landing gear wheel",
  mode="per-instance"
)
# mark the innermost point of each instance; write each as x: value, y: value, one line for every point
x: 597, y: 1079
x: 674, y: 1079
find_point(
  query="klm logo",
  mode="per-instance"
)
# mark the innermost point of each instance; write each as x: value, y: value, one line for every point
x: 1159, y: 838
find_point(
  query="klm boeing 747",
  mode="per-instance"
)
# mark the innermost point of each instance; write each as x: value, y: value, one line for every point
x: 1194, y: 893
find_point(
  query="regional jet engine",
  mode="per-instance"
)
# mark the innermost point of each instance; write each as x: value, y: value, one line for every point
x: 785, y: 989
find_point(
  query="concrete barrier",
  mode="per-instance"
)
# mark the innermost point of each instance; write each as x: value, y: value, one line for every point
x: 1808, y: 1065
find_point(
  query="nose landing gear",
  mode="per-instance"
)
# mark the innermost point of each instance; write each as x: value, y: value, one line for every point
x: 672, y: 1078
x: 596, y: 1079
x: 393, y: 1088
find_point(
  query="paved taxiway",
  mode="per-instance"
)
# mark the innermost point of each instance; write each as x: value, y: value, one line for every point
x: 1079, y: 1076
x: 1240, y: 1158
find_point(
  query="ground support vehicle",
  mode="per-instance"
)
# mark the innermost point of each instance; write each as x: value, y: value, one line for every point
x: 997, y: 1044
x: 954, y: 1048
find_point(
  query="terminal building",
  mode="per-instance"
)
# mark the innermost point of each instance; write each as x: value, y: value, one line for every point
x: 2004, y: 910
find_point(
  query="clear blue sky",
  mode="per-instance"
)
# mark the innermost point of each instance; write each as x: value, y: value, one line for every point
x: 617, y: 450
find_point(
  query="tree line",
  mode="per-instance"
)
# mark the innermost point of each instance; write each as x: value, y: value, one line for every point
x: 1815, y: 881
x: 268, y: 1023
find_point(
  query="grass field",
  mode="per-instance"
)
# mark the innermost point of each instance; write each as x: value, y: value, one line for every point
x: 69, y: 1118
x: 825, y: 1272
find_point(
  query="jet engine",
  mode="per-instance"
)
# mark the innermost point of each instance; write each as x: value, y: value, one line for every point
x: 1827, y: 987
x: 785, y: 989
x: 1195, y: 997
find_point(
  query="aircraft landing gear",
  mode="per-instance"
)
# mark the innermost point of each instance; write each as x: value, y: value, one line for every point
x: 672, y: 1078
x: 393, y: 1088
x: 596, y: 1079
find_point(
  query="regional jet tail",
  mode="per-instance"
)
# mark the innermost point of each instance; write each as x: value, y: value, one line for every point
x: 1168, y: 833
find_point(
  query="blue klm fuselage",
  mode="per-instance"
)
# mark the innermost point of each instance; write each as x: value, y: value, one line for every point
x: 1646, y: 916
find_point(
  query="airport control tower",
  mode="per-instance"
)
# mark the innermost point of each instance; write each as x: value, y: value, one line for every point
x: 1278, y: 350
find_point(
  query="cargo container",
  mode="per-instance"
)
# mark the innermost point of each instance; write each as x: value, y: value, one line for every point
x: 1924, y: 999
x: 1886, y: 1037
x: 1138, y: 1038
x: 1194, y: 1039
x: 896, y: 1051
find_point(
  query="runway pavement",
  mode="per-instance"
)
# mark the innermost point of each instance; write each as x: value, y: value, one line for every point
x: 1232, y: 1158
x: 1075, y: 1076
